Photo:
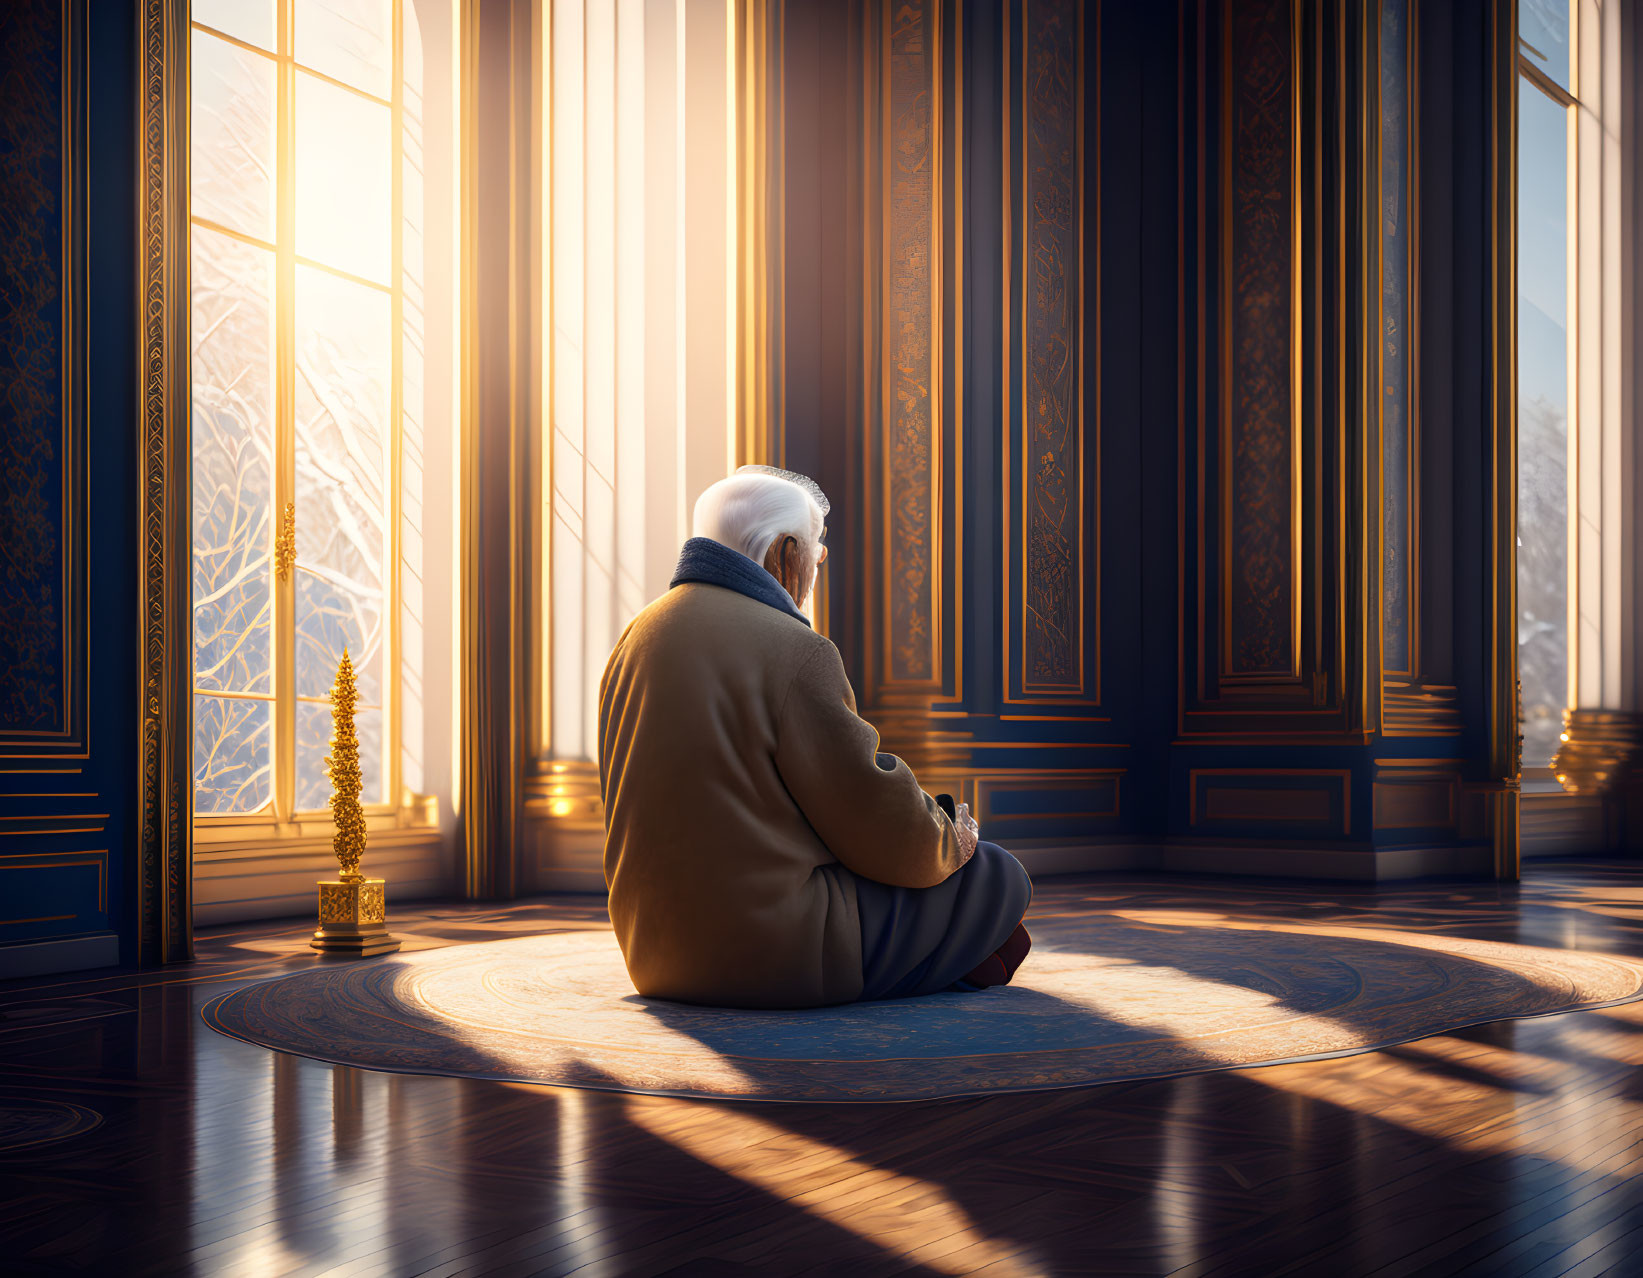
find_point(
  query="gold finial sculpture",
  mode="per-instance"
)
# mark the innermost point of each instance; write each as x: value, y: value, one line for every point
x: 342, y: 766
x: 353, y: 910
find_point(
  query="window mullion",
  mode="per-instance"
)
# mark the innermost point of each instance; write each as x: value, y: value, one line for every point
x: 391, y: 743
x: 285, y: 340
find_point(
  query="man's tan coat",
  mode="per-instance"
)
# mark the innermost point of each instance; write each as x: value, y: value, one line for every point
x: 737, y: 777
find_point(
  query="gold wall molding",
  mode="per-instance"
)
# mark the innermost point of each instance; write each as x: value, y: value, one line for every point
x: 760, y: 429
x: 566, y: 792
x: 1051, y: 491
x: 1427, y: 710
x: 1100, y: 789
x: 43, y: 620
x: 45, y: 738
x: 1396, y: 312
x: 906, y: 424
x: 1416, y: 794
x: 1260, y: 410
x: 1317, y: 798
x: 164, y: 916
x: 1265, y: 429
x: 93, y: 858
x: 1093, y: 796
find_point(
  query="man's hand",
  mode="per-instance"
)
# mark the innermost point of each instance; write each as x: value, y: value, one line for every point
x: 969, y: 833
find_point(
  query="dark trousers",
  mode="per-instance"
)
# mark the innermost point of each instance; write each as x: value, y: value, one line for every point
x: 920, y: 940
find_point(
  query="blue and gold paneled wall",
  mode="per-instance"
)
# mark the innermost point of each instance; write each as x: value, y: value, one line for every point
x: 1158, y: 387
x: 69, y: 646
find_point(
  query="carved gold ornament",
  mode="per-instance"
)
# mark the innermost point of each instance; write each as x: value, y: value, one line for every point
x: 353, y: 910
x: 285, y: 543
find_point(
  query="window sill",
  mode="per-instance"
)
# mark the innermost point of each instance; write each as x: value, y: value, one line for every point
x: 260, y: 874
x: 415, y: 821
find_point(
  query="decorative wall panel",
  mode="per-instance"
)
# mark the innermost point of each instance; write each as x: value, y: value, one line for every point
x: 63, y: 806
x: 1030, y: 804
x: 1270, y: 505
x: 912, y: 343
x: 1260, y: 425
x: 1416, y: 794
x: 1227, y: 573
x: 1252, y: 801
x: 1396, y: 381
x: 42, y: 498
x: 1052, y: 444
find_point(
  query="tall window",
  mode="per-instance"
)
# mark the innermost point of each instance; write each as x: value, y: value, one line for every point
x: 306, y: 258
x: 1547, y: 272
x: 640, y: 280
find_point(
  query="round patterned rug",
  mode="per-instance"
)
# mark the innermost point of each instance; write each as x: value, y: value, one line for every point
x: 1103, y: 997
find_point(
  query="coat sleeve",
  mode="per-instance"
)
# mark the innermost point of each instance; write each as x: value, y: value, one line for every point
x: 866, y: 806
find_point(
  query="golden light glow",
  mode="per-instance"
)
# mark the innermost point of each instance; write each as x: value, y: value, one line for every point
x: 1554, y: 1121
x: 903, y: 1216
x: 345, y: 156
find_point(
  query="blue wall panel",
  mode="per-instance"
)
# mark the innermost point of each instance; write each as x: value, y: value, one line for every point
x: 68, y: 645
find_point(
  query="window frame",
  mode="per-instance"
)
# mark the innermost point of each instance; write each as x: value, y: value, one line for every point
x: 279, y: 819
x: 1532, y: 78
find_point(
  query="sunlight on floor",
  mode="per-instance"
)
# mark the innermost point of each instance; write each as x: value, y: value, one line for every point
x: 1553, y: 1120
x: 908, y: 1218
x: 1177, y: 1200
x: 1197, y: 1010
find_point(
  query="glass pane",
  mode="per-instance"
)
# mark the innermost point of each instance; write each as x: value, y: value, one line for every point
x: 1543, y: 36
x: 344, y: 340
x: 349, y: 40
x: 233, y: 447
x: 345, y: 158
x: 314, y: 744
x: 233, y: 145
x: 333, y: 612
x: 248, y: 20
x: 232, y: 753
x: 1543, y: 417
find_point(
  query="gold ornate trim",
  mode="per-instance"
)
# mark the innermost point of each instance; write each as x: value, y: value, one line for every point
x: 164, y: 922
x: 567, y: 793
x: 1428, y: 711
x: 285, y: 543
x: 1600, y: 749
x: 760, y: 433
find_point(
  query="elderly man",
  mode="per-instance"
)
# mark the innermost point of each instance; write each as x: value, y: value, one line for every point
x: 759, y: 850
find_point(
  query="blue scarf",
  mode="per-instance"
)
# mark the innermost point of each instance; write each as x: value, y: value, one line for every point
x: 704, y: 559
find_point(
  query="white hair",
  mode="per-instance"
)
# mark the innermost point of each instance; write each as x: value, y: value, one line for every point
x: 749, y: 510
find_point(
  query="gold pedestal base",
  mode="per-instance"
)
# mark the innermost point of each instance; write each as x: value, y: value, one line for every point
x: 353, y: 919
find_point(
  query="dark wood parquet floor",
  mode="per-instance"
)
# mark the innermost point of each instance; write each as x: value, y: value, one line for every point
x: 133, y: 1140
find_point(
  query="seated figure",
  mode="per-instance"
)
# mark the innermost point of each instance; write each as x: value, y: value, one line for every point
x: 759, y: 850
